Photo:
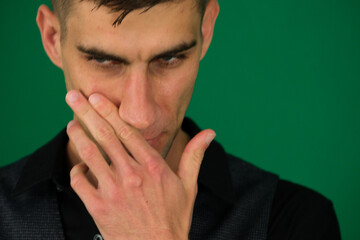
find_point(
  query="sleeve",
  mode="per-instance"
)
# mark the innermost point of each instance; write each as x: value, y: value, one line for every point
x: 299, y: 213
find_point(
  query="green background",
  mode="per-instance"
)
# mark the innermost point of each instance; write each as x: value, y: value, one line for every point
x: 280, y: 85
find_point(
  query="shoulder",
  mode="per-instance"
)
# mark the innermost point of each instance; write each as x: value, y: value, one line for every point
x: 9, y: 175
x: 238, y: 164
x: 245, y: 174
x: 288, y: 192
x: 296, y: 212
x: 301, y: 213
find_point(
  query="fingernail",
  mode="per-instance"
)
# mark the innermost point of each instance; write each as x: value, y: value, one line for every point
x: 72, y: 96
x: 94, y: 99
x: 210, y: 137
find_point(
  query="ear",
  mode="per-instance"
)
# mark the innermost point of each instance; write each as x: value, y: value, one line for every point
x: 49, y: 26
x: 208, y: 24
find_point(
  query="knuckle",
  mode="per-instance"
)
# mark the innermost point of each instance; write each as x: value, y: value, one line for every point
x: 198, y: 156
x: 125, y: 132
x: 104, y: 134
x: 75, y: 180
x: 88, y: 152
x: 106, y: 110
x: 85, y: 110
x: 97, y: 210
x: 133, y: 181
x: 154, y: 168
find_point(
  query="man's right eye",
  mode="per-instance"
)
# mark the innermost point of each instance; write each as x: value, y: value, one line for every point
x: 103, y: 62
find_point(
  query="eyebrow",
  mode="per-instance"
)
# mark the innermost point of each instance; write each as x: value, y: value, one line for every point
x: 175, y: 50
x: 101, y: 54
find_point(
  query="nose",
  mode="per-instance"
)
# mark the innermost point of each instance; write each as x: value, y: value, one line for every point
x: 138, y: 107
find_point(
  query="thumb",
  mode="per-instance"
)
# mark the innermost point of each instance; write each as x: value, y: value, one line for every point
x: 192, y: 157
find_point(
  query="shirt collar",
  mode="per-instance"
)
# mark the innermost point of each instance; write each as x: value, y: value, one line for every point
x: 49, y: 163
x: 44, y: 164
x: 214, y: 171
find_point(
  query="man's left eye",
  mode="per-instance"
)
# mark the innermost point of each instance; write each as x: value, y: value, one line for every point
x: 169, y: 61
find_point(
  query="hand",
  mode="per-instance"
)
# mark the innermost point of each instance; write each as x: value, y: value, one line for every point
x: 137, y: 196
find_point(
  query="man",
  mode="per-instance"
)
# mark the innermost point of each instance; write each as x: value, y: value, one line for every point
x: 128, y: 165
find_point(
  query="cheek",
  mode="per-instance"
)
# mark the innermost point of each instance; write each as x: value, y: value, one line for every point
x: 178, y: 92
x: 78, y: 76
x: 79, y: 81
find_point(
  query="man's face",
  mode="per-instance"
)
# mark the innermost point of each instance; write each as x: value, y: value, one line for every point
x: 147, y: 65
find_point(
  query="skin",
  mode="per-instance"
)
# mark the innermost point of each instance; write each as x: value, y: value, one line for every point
x: 129, y: 95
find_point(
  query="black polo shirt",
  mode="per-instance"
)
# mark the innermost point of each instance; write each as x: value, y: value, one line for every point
x: 296, y: 213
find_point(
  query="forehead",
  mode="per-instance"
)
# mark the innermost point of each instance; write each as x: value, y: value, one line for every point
x: 162, y: 25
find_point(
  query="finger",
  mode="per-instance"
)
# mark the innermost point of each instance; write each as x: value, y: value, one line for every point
x: 82, y: 186
x: 192, y: 157
x: 88, y: 151
x: 132, y: 139
x: 79, y: 182
x: 100, y: 129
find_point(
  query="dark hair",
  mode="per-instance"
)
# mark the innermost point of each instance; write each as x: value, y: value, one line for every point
x: 62, y: 7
